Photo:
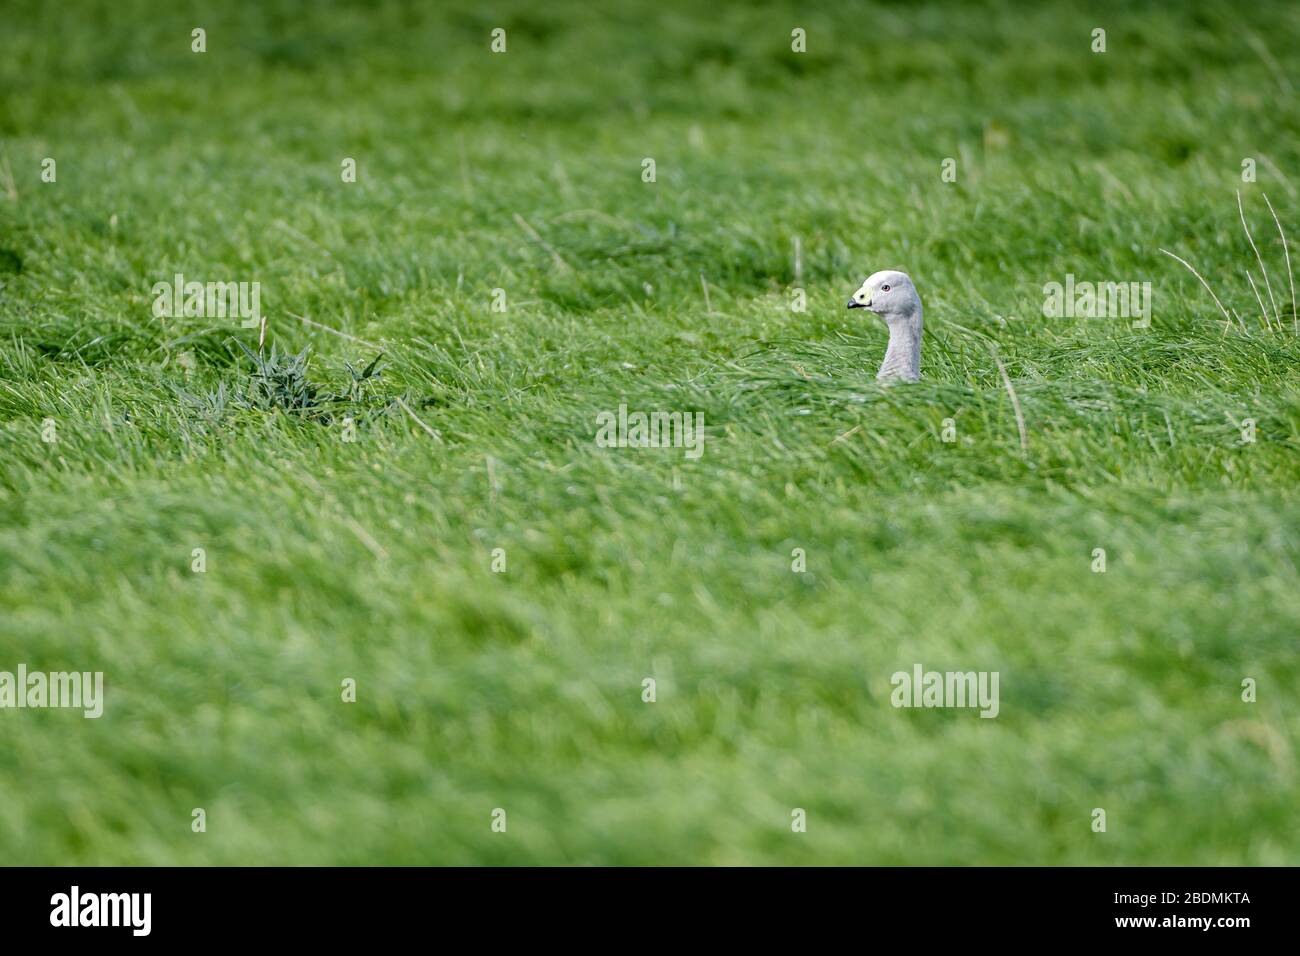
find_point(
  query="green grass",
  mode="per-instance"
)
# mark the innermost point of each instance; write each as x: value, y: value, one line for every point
x: 371, y: 559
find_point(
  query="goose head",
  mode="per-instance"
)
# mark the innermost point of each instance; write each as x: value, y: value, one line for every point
x: 892, y: 296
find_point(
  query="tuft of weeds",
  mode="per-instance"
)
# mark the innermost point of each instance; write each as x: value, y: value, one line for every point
x: 278, y: 381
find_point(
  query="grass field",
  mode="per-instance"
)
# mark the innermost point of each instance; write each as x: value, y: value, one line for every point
x: 371, y: 560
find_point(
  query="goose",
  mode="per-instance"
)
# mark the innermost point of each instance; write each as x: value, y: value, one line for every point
x: 892, y: 296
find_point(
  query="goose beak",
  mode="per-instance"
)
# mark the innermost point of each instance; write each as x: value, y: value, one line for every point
x: 853, y: 304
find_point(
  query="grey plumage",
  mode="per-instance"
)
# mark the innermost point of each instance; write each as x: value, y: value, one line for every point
x: 892, y: 296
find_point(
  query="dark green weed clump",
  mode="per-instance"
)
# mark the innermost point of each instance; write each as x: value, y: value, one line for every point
x: 278, y: 381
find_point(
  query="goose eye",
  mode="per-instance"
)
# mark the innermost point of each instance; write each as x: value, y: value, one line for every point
x: 884, y: 288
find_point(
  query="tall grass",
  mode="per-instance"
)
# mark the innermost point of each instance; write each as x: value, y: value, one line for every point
x: 329, y: 559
